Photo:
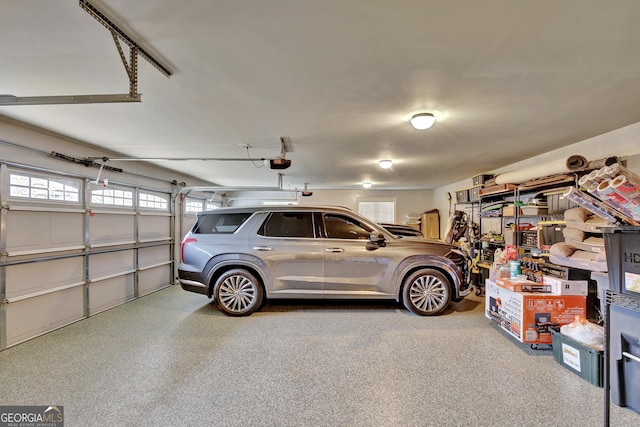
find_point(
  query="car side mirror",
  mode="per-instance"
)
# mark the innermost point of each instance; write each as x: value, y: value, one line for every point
x: 376, y: 240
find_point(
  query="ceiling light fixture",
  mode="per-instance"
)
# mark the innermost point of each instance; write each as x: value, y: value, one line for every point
x: 422, y: 121
x: 366, y: 184
x: 385, y: 164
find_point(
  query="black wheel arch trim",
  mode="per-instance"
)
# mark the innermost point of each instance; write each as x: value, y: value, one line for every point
x: 221, y: 263
x: 443, y: 265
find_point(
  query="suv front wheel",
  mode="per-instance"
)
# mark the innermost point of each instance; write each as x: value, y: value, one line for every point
x: 426, y: 292
x: 238, y: 293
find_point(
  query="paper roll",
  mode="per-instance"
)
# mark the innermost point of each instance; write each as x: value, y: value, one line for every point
x: 625, y: 188
x: 597, y: 164
x: 576, y: 163
x: 613, y: 170
x: 608, y: 192
x: 609, y: 195
x: 585, y: 181
x: 567, y: 165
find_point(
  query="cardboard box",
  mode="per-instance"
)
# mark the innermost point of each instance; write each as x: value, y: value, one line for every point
x: 533, y: 210
x: 509, y: 236
x: 522, y: 285
x: 528, y: 317
x: 566, y: 287
x: 510, y: 211
x: 430, y: 225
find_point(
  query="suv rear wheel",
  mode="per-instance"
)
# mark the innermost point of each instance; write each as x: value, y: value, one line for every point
x: 238, y: 293
x: 426, y: 292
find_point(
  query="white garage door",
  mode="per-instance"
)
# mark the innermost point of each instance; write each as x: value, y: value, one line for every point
x: 72, y: 249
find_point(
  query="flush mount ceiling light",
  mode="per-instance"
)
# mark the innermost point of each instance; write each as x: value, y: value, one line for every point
x: 366, y: 184
x: 422, y: 121
x: 385, y: 164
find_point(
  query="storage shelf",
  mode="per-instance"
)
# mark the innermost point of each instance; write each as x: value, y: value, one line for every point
x: 548, y: 182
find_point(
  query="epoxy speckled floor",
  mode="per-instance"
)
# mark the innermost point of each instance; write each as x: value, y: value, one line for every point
x: 171, y: 359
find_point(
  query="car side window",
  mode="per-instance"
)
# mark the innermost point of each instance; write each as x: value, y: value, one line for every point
x: 344, y: 227
x: 288, y: 224
x: 220, y: 224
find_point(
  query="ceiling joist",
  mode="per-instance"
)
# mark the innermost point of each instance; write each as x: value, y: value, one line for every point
x: 130, y: 66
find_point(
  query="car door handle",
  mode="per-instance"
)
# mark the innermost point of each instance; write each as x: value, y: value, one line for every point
x: 261, y: 248
x: 334, y: 250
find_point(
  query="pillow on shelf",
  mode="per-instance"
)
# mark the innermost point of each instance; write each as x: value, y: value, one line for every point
x: 577, y: 214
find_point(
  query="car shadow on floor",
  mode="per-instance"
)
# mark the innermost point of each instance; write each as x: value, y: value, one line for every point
x: 276, y: 306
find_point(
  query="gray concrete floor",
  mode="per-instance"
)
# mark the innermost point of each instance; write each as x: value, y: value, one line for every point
x: 171, y: 359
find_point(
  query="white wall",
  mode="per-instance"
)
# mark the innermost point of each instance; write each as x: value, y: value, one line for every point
x: 622, y: 142
x: 21, y: 134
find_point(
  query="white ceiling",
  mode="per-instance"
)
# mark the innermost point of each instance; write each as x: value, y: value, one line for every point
x: 507, y: 79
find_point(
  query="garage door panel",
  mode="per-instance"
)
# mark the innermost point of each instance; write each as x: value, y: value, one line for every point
x: 32, y: 317
x: 154, y: 279
x: 107, y: 228
x: 35, y: 230
x: 109, y: 293
x: 26, y: 279
x: 154, y: 255
x: 154, y: 227
x: 111, y: 263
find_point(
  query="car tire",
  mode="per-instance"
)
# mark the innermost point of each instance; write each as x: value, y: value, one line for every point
x: 237, y: 292
x: 426, y: 292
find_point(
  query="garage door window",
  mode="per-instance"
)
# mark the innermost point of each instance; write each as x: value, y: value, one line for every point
x: 153, y: 201
x: 193, y: 205
x: 27, y: 186
x: 112, y: 197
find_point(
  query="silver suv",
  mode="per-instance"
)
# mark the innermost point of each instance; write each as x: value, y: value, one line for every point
x: 242, y: 256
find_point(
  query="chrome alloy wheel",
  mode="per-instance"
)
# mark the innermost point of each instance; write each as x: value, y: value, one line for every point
x: 426, y: 292
x: 238, y: 293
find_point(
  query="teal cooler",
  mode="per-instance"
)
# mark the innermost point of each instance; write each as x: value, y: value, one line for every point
x: 578, y: 358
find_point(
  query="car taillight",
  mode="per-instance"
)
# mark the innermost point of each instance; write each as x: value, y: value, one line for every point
x: 186, y: 241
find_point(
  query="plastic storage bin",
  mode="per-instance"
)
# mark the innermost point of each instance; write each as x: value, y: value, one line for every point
x: 578, y: 358
x: 624, y: 355
x: 462, y: 196
x: 481, y: 179
x: 622, y: 245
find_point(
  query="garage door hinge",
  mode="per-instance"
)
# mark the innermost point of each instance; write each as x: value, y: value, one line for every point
x: 4, y: 301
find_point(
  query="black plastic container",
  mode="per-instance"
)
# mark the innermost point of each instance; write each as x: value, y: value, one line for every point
x: 624, y: 341
x: 622, y: 245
